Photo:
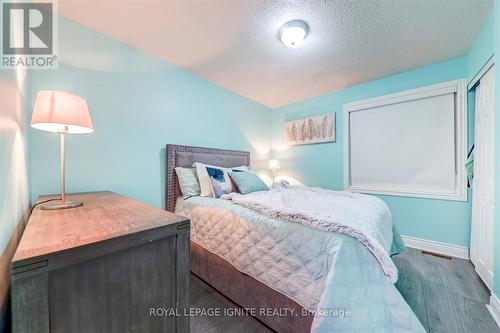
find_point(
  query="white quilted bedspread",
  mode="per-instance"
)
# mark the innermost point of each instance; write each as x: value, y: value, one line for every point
x: 317, y: 269
x: 364, y: 217
x: 290, y: 258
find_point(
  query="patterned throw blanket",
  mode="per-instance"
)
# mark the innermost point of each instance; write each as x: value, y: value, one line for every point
x: 363, y: 217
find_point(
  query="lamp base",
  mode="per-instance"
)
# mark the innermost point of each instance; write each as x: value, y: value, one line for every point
x: 66, y: 205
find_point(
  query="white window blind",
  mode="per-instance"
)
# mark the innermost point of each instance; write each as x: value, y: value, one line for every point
x: 410, y: 143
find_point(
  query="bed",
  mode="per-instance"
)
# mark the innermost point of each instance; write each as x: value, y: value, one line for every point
x: 262, y: 263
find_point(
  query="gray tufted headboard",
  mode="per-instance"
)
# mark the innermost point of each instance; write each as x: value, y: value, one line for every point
x: 185, y: 156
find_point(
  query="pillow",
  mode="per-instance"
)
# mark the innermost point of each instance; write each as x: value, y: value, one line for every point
x: 221, y: 183
x: 248, y: 182
x: 206, y: 188
x: 188, y: 182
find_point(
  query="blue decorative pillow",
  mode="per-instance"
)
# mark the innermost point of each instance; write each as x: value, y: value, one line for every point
x: 221, y: 183
x: 206, y: 188
x: 247, y: 182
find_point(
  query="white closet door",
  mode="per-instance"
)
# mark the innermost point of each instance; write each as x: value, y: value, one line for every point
x: 483, y: 199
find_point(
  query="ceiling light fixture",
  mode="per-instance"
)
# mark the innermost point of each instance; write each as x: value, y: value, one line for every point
x: 293, y: 33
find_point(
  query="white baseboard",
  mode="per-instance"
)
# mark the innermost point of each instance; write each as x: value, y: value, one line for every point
x: 494, y: 308
x: 437, y: 247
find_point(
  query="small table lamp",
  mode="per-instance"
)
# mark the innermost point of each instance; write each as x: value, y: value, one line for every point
x: 273, y: 166
x: 60, y: 112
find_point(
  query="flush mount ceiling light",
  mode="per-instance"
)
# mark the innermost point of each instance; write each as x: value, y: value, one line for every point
x: 293, y: 33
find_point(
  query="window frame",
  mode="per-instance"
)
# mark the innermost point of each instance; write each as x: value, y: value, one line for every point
x: 458, y: 88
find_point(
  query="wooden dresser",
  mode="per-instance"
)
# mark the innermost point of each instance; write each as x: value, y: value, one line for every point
x: 102, y: 267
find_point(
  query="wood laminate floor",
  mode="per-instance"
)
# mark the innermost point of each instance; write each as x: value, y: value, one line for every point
x: 446, y: 295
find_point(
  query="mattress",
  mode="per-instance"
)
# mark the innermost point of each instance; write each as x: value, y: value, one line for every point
x: 327, y: 273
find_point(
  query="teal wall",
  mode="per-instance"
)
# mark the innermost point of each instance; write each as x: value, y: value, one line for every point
x: 138, y: 104
x: 482, y: 48
x: 322, y: 164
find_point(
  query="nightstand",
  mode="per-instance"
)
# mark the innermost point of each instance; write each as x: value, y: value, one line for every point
x: 101, y: 267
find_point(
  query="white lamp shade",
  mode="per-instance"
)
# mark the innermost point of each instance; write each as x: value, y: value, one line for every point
x: 57, y: 111
x: 274, y: 164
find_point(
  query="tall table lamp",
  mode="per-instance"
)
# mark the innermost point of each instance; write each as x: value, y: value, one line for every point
x: 274, y: 165
x: 63, y: 113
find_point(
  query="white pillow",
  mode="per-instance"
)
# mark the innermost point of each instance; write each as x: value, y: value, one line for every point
x: 206, y: 188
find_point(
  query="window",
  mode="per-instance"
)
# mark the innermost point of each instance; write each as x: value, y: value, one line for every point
x: 410, y: 143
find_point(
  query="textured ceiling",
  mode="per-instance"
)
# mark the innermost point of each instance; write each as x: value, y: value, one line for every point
x: 235, y: 44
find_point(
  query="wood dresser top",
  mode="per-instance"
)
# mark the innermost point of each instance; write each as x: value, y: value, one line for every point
x: 104, y: 215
